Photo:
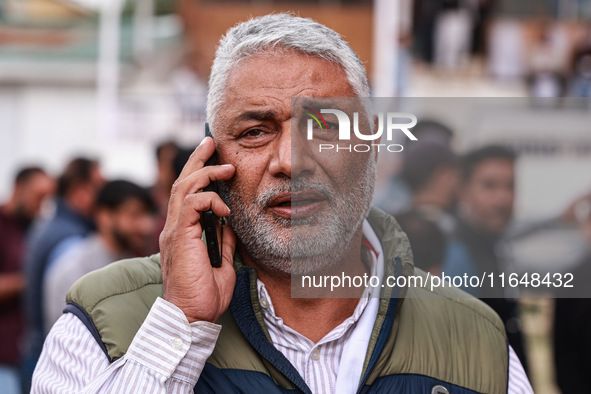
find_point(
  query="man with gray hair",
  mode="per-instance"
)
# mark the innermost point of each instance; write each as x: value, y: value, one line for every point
x: 173, y: 323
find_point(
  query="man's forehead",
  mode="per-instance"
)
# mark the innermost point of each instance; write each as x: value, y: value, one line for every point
x: 494, y: 163
x: 285, y: 70
x: 37, y: 179
x: 263, y: 86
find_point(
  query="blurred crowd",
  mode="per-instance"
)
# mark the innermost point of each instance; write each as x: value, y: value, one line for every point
x: 553, y: 56
x: 53, y: 231
x: 556, y: 71
x: 458, y: 215
x: 455, y: 209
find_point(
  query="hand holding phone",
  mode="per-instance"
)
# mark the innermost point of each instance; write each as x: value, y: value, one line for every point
x: 190, y: 282
x: 209, y: 220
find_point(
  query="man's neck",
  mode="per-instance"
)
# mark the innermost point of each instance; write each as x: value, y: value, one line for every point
x: 477, y: 230
x: 75, y: 207
x: 314, y: 317
x: 12, y: 211
x: 111, y: 243
x: 11, y: 207
x: 429, y: 199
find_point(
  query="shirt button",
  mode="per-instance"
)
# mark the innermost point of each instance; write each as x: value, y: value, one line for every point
x: 439, y: 389
x: 264, y: 303
x: 315, y: 354
x: 177, y: 343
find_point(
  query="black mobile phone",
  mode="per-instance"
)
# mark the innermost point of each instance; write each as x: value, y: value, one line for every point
x: 209, y: 220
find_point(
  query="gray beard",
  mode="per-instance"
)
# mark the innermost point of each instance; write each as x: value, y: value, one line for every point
x: 300, y: 246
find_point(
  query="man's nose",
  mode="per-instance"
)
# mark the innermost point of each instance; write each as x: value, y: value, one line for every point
x: 292, y: 155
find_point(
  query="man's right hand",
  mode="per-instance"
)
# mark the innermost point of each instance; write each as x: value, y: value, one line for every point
x: 202, y: 292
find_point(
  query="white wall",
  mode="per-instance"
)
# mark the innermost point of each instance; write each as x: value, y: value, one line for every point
x: 48, y: 125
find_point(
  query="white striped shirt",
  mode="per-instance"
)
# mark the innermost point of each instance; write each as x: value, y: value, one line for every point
x: 318, y: 363
x: 168, y: 353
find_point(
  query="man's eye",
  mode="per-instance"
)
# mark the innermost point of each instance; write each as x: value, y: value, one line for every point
x: 253, y: 133
x: 332, y: 126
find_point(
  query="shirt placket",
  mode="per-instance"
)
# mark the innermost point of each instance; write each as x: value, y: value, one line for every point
x: 316, y: 375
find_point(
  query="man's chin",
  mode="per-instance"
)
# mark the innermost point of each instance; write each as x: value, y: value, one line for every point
x: 300, y: 246
x: 300, y: 266
x: 317, y: 265
x: 298, y: 252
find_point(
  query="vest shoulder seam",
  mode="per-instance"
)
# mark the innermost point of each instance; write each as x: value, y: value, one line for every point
x: 123, y: 292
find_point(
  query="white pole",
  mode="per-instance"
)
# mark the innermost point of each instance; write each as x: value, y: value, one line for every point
x: 143, y: 26
x: 385, y: 47
x: 108, y: 67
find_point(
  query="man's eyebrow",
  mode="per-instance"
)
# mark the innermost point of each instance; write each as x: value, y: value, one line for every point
x: 318, y: 103
x: 257, y: 115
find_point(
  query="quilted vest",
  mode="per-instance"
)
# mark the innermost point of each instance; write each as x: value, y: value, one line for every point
x: 423, y: 340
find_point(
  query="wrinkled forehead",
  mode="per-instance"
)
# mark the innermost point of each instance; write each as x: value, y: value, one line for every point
x: 281, y: 68
x: 270, y: 82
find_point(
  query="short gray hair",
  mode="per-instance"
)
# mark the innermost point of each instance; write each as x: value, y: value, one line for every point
x: 274, y: 33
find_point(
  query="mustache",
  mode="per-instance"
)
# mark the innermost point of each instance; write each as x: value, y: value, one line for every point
x: 293, y: 186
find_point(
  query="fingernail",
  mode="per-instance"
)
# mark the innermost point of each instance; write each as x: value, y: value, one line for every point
x: 202, y: 141
x: 227, y: 165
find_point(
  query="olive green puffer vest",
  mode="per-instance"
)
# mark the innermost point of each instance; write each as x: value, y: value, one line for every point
x: 422, y: 340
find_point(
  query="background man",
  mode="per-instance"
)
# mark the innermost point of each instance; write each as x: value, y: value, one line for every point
x: 32, y: 186
x: 428, y: 180
x: 123, y: 217
x: 431, y: 170
x: 165, y: 153
x: 572, y: 316
x: 293, y: 211
x: 485, y: 211
x: 160, y: 191
x: 71, y: 222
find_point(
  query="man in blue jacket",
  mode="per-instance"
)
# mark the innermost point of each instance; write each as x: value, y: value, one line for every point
x: 76, y: 191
